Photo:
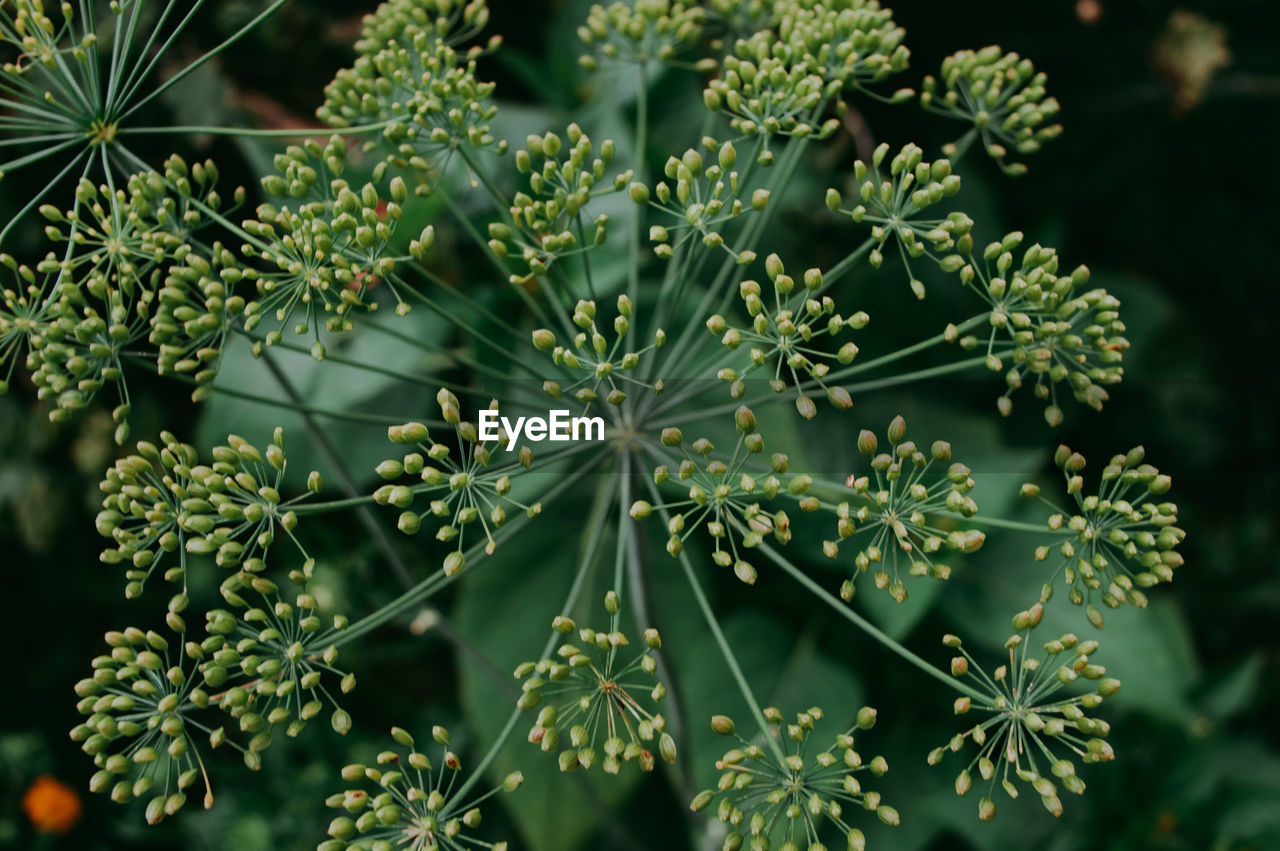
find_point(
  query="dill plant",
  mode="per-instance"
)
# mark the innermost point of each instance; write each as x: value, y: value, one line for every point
x: 162, y: 266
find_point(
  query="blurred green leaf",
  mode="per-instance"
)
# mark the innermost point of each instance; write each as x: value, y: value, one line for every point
x: 330, y: 386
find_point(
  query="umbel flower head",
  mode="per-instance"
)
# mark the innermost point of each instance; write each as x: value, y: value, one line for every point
x: 891, y: 203
x: 724, y: 498
x: 849, y: 43
x: 905, y: 512
x: 550, y: 221
x: 1042, y: 327
x: 410, y: 75
x: 105, y: 293
x: 785, y: 793
x: 138, y: 723
x: 1029, y: 729
x: 640, y: 32
x: 781, y: 340
x: 1004, y: 98
x: 600, y: 698
x: 118, y: 238
x: 1116, y: 542
x: 102, y: 293
x: 28, y: 314
x: 603, y: 367
x: 463, y: 488
x: 196, y: 310
x: 700, y: 201
x: 323, y: 252
x: 271, y: 655
x: 161, y: 504
x: 410, y: 803
x: 765, y: 90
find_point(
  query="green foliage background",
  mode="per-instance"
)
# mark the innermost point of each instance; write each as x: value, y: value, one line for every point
x: 1173, y: 212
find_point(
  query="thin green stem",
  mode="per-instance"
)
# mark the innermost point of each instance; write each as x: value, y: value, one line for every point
x: 637, y: 584
x: 458, y: 294
x: 499, y: 200
x: 331, y: 505
x: 347, y: 482
x: 35, y: 199
x: 861, y: 622
x: 861, y: 387
x: 120, y: 88
x: 839, y: 270
x: 637, y: 153
x: 355, y: 364
x: 36, y: 156
x: 483, y: 244
x: 244, y: 132
x: 182, y: 75
x: 789, y: 161
x: 905, y: 352
x: 474, y: 556
x: 1038, y: 528
x: 723, y: 643
x: 443, y: 352
x: 604, y: 496
x: 347, y: 416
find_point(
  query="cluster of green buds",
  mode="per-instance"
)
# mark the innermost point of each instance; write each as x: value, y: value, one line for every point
x: 462, y: 489
x: 1025, y: 727
x: 1044, y: 325
x: 734, y: 19
x: 549, y: 219
x: 28, y: 314
x: 411, y: 803
x: 705, y: 199
x: 323, y: 252
x: 853, y: 43
x: 117, y: 238
x: 769, y: 796
x: 1002, y: 95
x: 196, y: 309
x: 38, y: 39
x: 118, y: 242
x: 272, y: 658
x: 161, y: 501
x: 725, y: 498
x: 105, y: 292
x: 891, y: 203
x: 911, y: 519
x: 1116, y: 542
x: 765, y: 90
x: 81, y: 351
x: 604, y: 365
x: 601, y: 698
x: 137, y: 726
x: 640, y: 32
x: 780, y: 338
x: 149, y: 234
x: 410, y: 76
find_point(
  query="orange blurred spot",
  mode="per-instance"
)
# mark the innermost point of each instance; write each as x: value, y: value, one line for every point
x: 52, y: 805
x: 1089, y: 12
x: 364, y: 280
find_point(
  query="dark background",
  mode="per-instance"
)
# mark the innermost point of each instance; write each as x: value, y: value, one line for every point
x: 1171, y: 204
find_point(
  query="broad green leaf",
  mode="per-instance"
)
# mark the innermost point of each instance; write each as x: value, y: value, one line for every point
x: 329, y: 386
